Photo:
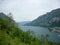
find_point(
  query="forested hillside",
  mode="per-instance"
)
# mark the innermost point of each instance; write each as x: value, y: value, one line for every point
x: 10, y: 34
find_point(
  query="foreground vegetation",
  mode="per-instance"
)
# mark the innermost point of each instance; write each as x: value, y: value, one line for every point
x: 10, y: 34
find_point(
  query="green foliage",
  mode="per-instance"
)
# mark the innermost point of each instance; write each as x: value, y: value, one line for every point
x: 10, y: 34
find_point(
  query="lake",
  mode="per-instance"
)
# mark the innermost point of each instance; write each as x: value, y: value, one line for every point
x: 38, y: 31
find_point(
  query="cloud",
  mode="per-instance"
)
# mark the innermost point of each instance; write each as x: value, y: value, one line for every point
x: 28, y: 9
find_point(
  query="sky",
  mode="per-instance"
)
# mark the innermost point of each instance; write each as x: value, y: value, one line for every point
x: 27, y: 10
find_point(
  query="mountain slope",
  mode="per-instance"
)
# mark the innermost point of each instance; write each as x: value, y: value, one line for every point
x: 47, y: 19
x: 6, y: 18
x: 13, y: 35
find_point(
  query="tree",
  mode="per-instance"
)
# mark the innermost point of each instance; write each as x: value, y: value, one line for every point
x: 10, y: 15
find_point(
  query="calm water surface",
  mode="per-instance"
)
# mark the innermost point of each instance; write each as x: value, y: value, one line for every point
x: 38, y: 31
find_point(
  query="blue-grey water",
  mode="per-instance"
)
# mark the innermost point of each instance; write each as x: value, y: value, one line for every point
x: 38, y: 31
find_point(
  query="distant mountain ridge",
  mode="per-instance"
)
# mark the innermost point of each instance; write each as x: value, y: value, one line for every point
x: 49, y: 19
x: 22, y: 23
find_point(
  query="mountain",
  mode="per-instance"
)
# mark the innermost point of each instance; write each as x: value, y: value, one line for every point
x: 22, y: 23
x: 49, y: 19
x: 6, y: 18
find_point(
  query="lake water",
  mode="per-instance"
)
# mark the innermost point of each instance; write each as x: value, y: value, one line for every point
x: 53, y: 36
